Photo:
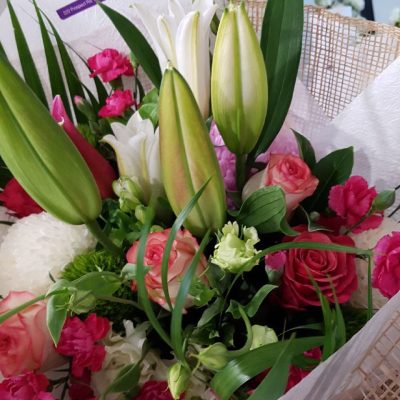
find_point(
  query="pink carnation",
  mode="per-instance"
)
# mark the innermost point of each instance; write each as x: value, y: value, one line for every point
x: 352, y: 202
x: 386, y: 274
x: 25, y: 387
x: 117, y: 104
x: 110, y: 64
x: 79, y: 341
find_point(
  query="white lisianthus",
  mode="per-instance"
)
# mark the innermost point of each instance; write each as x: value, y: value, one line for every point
x: 37, y: 246
x: 180, y: 34
x: 137, y: 148
x: 368, y: 240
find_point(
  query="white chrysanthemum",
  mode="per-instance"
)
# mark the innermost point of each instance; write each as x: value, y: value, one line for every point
x: 37, y: 246
x: 395, y: 16
x: 368, y: 240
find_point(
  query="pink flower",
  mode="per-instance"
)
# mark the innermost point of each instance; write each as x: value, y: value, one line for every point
x: 352, y: 202
x: 153, y: 390
x: 117, y: 104
x: 276, y: 261
x: 183, y: 250
x: 25, y: 343
x: 79, y: 340
x: 101, y: 169
x: 17, y: 200
x: 110, y: 64
x: 386, y: 274
x: 288, y: 172
x: 25, y: 387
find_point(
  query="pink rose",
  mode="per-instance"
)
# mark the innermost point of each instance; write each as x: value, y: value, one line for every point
x: 183, y: 250
x: 79, y: 340
x: 325, y: 266
x: 288, y: 172
x: 25, y: 387
x: 25, y: 343
x: 110, y: 64
x: 154, y: 390
x: 352, y: 202
x: 386, y: 274
x: 117, y: 104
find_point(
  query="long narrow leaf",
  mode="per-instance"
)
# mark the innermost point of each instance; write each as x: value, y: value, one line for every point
x: 281, y: 43
x: 137, y: 43
x: 3, y: 52
x: 176, y: 321
x: 29, y: 70
x: 55, y: 75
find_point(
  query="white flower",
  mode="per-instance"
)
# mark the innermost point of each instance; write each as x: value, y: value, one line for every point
x: 180, y: 33
x: 137, y: 148
x: 395, y: 16
x: 368, y: 240
x: 37, y: 246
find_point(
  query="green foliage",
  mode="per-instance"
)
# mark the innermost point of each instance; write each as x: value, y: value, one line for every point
x: 149, y: 107
x: 306, y: 150
x: 383, y: 201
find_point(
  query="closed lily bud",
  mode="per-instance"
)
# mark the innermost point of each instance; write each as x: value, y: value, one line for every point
x: 178, y: 379
x: 239, y: 86
x: 41, y: 156
x: 214, y: 357
x: 188, y: 159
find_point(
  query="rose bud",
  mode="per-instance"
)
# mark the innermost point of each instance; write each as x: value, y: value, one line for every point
x: 239, y: 85
x: 178, y: 379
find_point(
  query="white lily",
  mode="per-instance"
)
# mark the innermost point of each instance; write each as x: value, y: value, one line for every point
x: 180, y: 33
x: 137, y: 148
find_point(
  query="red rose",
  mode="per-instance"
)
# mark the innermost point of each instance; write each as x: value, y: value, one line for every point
x: 110, y: 64
x: 25, y: 387
x: 154, y: 390
x: 352, y: 202
x: 17, y: 200
x: 117, y: 104
x: 326, y: 267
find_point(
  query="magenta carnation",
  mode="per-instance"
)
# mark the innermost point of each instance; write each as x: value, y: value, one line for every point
x: 117, y: 104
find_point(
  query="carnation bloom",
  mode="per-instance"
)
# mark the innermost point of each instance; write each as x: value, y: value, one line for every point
x: 352, y: 202
x: 37, y: 246
x: 25, y: 387
x: 116, y: 105
x: 110, y: 64
x: 79, y: 340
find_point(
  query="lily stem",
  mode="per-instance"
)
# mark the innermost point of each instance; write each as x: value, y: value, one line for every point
x: 98, y: 233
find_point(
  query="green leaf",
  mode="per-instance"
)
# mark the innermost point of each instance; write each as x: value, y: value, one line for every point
x: 332, y: 170
x: 149, y: 107
x: 177, y: 312
x: 383, y: 201
x: 5, y: 174
x: 252, y: 307
x: 28, y: 66
x: 201, y: 293
x: 55, y: 75
x: 274, y: 384
x: 137, y: 43
x: 99, y: 283
x: 307, y: 152
x: 211, y: 312
x: 265, y: 209
x: 247, y: 366
x: 3, y: 52
x: 281, y: 44
x: 126, y: 379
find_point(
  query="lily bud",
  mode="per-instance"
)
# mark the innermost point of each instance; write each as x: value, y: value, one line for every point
x: 41, y: 156
x: 214, y: 357
x: 239, y: 85
x: 188, y: 159
x: 178, y: 379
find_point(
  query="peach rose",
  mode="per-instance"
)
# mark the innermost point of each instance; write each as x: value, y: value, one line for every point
x: 183, y: 250
x: 288, y: 172
x: 25, y: 343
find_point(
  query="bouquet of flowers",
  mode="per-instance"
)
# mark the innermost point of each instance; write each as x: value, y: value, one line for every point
x: 160, y: 248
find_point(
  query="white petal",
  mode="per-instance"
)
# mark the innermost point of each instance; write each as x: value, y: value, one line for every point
x: 125, y: 160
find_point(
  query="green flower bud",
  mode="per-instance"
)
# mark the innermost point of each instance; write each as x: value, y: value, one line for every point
x: 214, y: 357
x: 234, y: 250
x: 188, y: 158
x: 262, y: 335
x: 239, y: 85
x: 129, y: 193
x: 178, y: 379
x: 82, y: 302
x: 41, y: 156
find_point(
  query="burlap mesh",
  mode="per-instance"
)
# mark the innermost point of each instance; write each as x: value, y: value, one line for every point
x: 341, y: 56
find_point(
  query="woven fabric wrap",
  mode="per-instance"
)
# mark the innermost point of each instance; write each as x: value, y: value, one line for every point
x: 341, y: 56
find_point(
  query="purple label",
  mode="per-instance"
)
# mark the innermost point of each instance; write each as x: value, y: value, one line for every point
x: 75, y: 8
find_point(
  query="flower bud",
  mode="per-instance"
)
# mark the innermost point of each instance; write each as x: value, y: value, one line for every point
x: 178, y: 379
x: 214, y: 357
x: 41, y: 156
x: 239, y: 85
x: 129, y: 193
x: 188, y: 159
x: 85, y: 108
x: 262, y: 335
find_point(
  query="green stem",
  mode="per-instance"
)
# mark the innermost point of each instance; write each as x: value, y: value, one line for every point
x: 247, y: 346
x: 370, y: 300
x: 120, y: 301
x: 98, y: 233
x: 240, y: 171
x: 22, y: 307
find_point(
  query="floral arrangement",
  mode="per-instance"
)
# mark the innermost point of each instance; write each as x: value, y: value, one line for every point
x: 160, y: 248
